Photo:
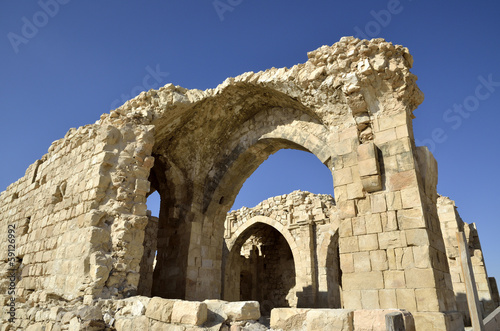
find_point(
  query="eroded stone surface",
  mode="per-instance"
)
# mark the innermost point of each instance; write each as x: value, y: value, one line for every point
x: 82, y: 229
x: 274, y: 242
x: 451, y: 223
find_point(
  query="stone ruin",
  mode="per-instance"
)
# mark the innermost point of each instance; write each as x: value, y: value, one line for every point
x: 88, y: 255
x: 308, y: 226
x: 284, y: 253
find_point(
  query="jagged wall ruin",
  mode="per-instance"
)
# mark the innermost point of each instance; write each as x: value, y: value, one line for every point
x: 80, y: 212
x: 451, y: 223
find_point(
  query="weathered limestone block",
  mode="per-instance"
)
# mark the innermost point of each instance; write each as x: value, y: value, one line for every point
x: 216, y: 314
x: 392, y: 239
x: 294, y: 217
x: 438, y: 321
x: 369, y: 168
x: 147, y: 262
x: 374, y: 320
x: 160, y: 309
x: 242, y: 311
x: 135, y: 323
x: 134, y: 306
x: 160, y: 326
x: 364, y: 280
x: 428, y: 168
x: 55, y: 313
x: 329, y: 319
x: 336, y: 319
x: 75, y: 324
x: 368, y: 242
x: 36, y: 327
x: 219, y: 312
x: 89, y: 313
x: 189, y: 312
x: 292, y: 319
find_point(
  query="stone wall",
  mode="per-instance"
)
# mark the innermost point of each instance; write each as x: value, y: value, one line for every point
x: 289, y: 212
x: 308, y: 225
x: 451, y: 223
x: 136, y: 313
x: 80, y: 212
x: 47, y: 206
x: 148, y: 261
x: 339, y: 319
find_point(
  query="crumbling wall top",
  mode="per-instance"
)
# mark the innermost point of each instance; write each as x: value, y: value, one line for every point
x: 332, y: 74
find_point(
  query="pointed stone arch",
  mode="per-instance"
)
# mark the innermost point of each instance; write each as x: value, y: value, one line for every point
x: 309, y: 223
x: 232, y: 267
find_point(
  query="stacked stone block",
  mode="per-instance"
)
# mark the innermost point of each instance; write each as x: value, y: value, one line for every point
x: 340, y: 319
x: 308, y: 223
x: 451, y: 223
x: 47, y: 205
x: 290, y: 210
x: 81, y: 210
x: 136, y: 313
x: 72, y: 209
x: 391, y: 255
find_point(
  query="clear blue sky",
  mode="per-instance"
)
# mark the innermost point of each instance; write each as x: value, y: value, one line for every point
x: 63, y: 65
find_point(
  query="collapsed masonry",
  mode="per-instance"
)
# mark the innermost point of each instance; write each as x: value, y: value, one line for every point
x: 83, y: 231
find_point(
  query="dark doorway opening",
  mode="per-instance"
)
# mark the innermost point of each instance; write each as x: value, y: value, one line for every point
x: 262, y: 268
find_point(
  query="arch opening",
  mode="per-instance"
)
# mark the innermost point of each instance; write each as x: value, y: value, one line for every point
x: 261, y: 267
x: 196, y: 195
x: 168, y: 279
x: 285, y: 171
x: 153, y: 203
x: 150, y: 243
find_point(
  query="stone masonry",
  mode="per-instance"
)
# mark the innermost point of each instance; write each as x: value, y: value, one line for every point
x: 79, y: 215
x: 308, y: 224
x: 451, y: 223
